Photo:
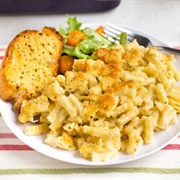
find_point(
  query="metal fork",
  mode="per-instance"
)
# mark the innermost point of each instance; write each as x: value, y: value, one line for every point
x: 112, y: 31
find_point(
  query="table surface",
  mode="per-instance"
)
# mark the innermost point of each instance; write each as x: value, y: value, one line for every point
x: 160, y: 18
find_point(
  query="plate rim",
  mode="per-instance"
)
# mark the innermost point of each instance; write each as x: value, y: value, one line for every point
x: 87, y: 162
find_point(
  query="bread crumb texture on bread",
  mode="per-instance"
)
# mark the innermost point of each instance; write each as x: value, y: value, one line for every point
x: 30, y: 62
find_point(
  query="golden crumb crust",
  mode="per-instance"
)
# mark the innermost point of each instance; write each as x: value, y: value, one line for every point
x: 30, y: 62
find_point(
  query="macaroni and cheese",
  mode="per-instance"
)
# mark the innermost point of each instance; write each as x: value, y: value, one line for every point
x: 114, y: 102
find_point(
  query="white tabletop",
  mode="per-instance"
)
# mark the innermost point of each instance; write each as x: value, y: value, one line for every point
x: 160, y: 18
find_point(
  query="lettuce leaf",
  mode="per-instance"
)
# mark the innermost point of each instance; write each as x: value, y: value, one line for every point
x: 123, y: 38
x: 73, y: 24
x: 86, y: 47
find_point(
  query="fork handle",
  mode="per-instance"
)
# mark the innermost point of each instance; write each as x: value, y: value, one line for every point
x: 169, y: 49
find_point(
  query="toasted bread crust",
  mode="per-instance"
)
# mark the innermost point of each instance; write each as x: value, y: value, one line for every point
x: 30, y: 62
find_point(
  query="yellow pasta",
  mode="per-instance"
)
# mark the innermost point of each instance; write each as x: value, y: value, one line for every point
x: 134, y: 141
x: 166, y: 117
x: 122, y: 109
x: 148, y: 129
x: 65, y: 141
x: 113, y: 102
x: 56, y: 117
x: 161, y: 94
x: 35, y: 106
x: 36, y: 129
x: 67, y: 105
x: 125, y: 118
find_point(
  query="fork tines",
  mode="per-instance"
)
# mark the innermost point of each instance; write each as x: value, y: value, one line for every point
x: 113, y: 30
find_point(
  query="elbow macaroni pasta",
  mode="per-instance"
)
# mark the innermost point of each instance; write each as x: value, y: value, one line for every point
x: 115, y: 102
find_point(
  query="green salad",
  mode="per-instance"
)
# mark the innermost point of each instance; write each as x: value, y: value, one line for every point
x: 88, y: 40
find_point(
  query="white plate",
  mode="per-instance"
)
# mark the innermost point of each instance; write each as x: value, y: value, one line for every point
x: 161, y: 139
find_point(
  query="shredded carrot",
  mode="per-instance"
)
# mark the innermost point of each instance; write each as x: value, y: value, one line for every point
x: 65, y: 63
x: 75, y: 37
